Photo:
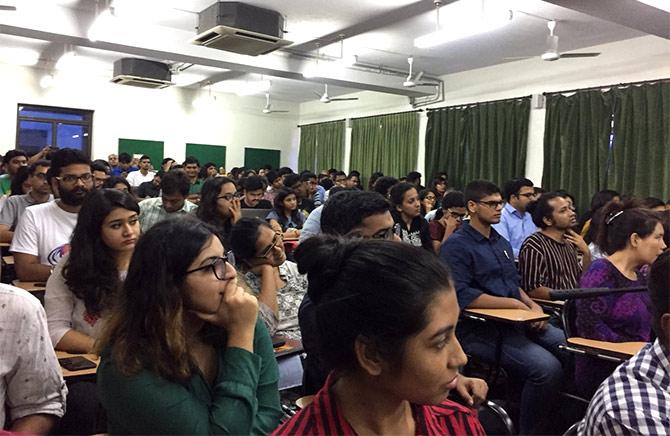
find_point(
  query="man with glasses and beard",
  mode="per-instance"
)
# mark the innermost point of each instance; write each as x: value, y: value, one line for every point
x: 43, y: 233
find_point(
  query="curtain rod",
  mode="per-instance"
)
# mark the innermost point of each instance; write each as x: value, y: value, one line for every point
x: 601, y: 87
x: 479, y: 102
x: 392, y: 113
x: 321, y: 122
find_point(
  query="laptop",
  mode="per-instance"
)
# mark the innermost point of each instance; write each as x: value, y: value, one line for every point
x: 255, y: 213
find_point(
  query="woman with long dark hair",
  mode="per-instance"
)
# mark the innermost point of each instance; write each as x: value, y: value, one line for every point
x: 220, y: 206
x: 285, y: 215
x: 183, y: 351
x: 83, y: 285
x: 386, y: 314
x: 407, y: 215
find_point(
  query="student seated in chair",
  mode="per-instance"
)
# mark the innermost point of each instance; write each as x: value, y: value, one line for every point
x: 184, y: 351
x: 632, y: 237
x: 635, y: 399
x: 254, y: 189
x: 172, y: 202
x: 42, y: 236
x: 549, y: 259
x: 516, y: 224
x: 386, y: 314
x: 485, y: 277
x: 13, y: 209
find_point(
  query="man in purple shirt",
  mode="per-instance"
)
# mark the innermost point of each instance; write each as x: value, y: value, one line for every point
x: 515, y: 224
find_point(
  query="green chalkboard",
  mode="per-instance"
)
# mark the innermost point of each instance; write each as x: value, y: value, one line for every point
x: 207, y: 153
x: 153, y: 149
x: 257, y: 157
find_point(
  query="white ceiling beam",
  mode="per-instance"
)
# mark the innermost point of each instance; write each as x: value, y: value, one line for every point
x: 172, y: 45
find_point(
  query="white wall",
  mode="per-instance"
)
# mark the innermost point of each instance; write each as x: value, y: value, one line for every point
x: 632, y: 60
x: 161, y: 115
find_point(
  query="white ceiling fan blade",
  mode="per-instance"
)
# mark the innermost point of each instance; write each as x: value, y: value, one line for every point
x: 418, y: 76
x: 344, y: 99
x: 579, y: 55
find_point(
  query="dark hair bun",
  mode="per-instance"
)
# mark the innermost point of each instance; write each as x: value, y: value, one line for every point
x: 322, y: 258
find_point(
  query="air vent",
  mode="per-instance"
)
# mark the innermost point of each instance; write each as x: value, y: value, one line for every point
x: 240, y: 28
x: 142, y: 73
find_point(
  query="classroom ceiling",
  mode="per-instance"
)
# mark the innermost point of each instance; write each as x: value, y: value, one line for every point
x: 380, y: 32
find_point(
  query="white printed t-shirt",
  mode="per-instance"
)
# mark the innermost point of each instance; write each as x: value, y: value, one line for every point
x: 44, y: 230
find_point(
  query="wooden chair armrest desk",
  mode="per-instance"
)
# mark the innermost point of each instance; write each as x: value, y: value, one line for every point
x: 612, y: 351
x: 84, y: 372
x: 291, y: 347
x: 554, y: 304
x: 8, y: 260
x: 30, y: 286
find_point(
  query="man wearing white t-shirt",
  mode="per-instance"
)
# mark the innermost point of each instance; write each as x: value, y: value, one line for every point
x: 43, y: 234
x: 136, y: 178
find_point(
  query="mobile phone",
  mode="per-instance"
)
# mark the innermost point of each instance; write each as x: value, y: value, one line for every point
x: 76, y: 363
x: 397, y: 230
x: 278, y: 342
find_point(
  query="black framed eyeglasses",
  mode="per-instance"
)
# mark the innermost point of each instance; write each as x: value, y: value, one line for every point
x: 456, y: 215
x: 527, y: 195
x: 267, y: 250
x: 71, y: 179
x: 229, y: 196
x: 492, y: 204
x: 218, y: 265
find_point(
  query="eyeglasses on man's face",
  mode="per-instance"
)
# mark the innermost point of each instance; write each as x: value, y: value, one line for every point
x: 71, y: 179
x: 528, y: 195
x: 218, y: 265
x: 493, y: 204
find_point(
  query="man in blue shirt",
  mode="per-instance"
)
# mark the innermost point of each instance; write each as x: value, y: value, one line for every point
x: 515, y: 224
x: 485, y: 277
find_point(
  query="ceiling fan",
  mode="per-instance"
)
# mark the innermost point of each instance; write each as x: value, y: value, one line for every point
x: 268, y: 107
x: 411, y: 82
x: 8, y: 6
x: 327, y: 99
x: 552, y: 53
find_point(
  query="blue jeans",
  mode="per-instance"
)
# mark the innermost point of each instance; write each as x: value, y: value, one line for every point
x: 527, y: 356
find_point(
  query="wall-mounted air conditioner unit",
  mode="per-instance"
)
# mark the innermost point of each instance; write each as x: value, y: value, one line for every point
x: 240, y: 28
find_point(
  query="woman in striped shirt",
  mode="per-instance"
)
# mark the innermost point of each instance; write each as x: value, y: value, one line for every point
x: 386, y: 315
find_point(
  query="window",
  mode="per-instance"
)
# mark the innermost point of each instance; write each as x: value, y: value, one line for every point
x: 41, y: 126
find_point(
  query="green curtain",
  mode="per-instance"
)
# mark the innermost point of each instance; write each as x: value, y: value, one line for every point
x: 640, y: 161
x: 576, y: 144
x: 321, y: 146
x: 481, y: 141
x: 307, y: 151
x: 330, y: 148
x: 386, y: 143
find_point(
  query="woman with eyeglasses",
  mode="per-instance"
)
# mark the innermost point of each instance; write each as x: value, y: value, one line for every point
x: 259, y: 251
x: 428, y: 197
x: 220, y: 206
x: 184, y: 351
x: 448, y: 219
x: 407, y: 214
x: 386, y: 314
x: 632, y: 237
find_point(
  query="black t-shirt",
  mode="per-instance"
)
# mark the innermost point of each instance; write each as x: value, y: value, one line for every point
x: 148, y: 189
x: 263, y: 204
x: 417, y: 234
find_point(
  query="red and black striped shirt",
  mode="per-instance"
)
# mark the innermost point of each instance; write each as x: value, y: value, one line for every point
x: 323, y: 417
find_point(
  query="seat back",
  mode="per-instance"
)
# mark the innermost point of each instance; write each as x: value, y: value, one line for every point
x: 495, y: 419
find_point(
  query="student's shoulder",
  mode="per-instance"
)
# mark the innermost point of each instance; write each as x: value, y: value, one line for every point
x: 21, y: 303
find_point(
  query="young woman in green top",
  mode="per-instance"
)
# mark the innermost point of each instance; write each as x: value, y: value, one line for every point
x: 183, y: 351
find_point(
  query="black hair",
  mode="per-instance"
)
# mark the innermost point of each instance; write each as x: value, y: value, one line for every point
x: 279, y: 209
x: 90, y: 271
x: 38, y: 163
x: 11, y: 154
x: 97, y: 166
x: 346, y: 210
x: 284, y: 170
x: 373, y: 178
x: 307, y: 176
x: 397, y: 192
x: 203, y: 170
x: 375, y: 290
x: 355, y: 173
x: 478, y: 189
x: 450, y: 199
x: 541, y: 209
x: 191, y: 160
x: 437, y: 181
x: 340, y: 173
x: 144, y: 156
x: 565, y: 194
x: 115, y: 180
x: 16, y: 187
x: 243, y: 236
x: 384, y: 184
x: 618, y: 221
x: 422, y: 196
x: 125, y: 158
x: 208, y: 208
x: 652, y: 202
x: 272, y: 175
x: 512, y: 187
x: 175, y: 182
x: 659, y: 291
x: 413, y: 176
x: 326, y: 183
x: 253, y: 183
x: 599, y: 199
x: 166, y: 160
x: 64, y: 157
x: 291, y: 180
